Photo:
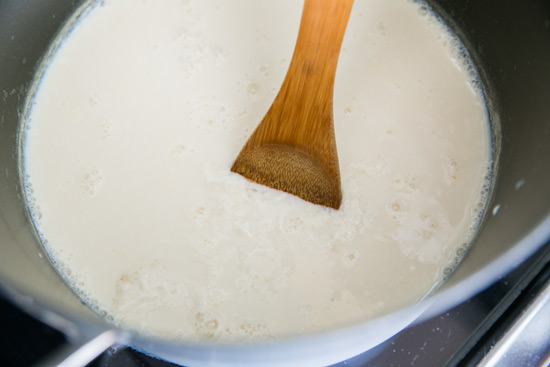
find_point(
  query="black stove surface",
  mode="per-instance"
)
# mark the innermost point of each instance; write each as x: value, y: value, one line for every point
x: 459, y: 337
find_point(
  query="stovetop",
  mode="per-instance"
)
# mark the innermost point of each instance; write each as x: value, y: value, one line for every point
x: 474, y: 333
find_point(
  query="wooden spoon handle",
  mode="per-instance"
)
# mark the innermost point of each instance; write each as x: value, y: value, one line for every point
x: 306, y: 93
x: 318, y: 45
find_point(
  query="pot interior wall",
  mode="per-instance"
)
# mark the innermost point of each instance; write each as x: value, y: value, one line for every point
x: 26, y: 30
x: 510, y: 42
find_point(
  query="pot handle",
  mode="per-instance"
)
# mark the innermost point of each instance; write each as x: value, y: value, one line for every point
x: 82, y: 352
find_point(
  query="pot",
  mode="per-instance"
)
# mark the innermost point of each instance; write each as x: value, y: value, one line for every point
x: 509, y: 42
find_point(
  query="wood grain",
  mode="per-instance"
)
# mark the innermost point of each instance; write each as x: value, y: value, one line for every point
x: 293, y: 149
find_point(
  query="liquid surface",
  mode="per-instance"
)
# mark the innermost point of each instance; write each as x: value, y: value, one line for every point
x: 141, y: 113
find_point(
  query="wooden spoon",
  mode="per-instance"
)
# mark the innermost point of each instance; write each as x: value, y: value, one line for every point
x: 293, y: 149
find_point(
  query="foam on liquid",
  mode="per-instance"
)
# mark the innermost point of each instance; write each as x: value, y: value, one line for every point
x: 141, y: 112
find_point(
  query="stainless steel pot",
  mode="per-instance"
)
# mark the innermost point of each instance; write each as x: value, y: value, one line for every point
x: 510, y: 42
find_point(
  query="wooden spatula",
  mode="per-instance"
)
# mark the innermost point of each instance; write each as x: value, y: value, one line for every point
x: 293, y: 149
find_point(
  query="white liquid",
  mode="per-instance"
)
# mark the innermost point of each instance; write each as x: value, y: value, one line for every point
x: 141, y: 113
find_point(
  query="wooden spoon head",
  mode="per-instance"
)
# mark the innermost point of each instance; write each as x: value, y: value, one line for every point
x: 293, y: 149
x: 292, y: 170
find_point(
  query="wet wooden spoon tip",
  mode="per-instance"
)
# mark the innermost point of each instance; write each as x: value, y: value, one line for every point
x: 293, y: 149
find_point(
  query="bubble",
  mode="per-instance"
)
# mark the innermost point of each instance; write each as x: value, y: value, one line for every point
x: 460, y: 251
x: 350, y: 258
x: 251, y: 328
x: 201, y: 213
x: 397, y: 209
x: 381, y: 29
x: 206, y: 324
x: 179, y: 149
x: 93, y: 100
x: 405, y: 184
x: 253, y: 88
x: 106, y: 127
x: 422, y: 10
x: 265, y: 70
x: 243, y: 112
x: 196, y: 51
x: 212, y: 324
x: 91, y: 182
x: 451, y: 170
x: 294, y: 224
x: 496, y: 209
